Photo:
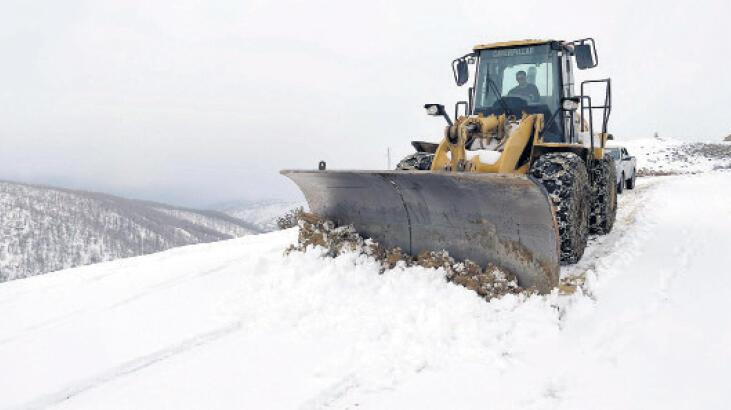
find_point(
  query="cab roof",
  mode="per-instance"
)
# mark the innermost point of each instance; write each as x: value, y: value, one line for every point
x: 507, y: 44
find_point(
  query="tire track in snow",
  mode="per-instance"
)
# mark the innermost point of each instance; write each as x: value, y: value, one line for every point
x: 618, y: 247
x: 329, y: 397
x: 168, y: 284
x: 633, y: 203
x: 610, y: 341
x: 87, y: 274
x: 171, y: 283
x: 84, y: 274
x: 130, y: 367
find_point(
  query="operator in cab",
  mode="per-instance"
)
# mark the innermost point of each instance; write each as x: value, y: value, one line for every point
x: 524, y: 89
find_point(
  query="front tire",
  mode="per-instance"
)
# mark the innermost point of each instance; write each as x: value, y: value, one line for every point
x: 564, y: 176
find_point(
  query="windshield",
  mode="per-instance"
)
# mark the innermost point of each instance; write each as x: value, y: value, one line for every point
x: 528, y: 73
x: 614, y: 152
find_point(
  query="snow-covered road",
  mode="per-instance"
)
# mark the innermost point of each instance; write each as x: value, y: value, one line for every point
x: 235, y: 325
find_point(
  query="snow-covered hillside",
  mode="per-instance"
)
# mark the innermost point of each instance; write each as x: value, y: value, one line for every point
x: 262, y: 214
x: 670, y: 156
x: 237, y: 325
x: 46, y: 229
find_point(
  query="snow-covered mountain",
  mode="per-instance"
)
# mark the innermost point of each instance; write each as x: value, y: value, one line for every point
x: 238, y: 325
x: 262, y: 214
x: 46, y: 229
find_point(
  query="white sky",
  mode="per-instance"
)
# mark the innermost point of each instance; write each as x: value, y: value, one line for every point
x: 196, y: 102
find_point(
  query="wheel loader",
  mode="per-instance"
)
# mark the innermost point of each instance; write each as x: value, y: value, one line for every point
x: 519, y: 179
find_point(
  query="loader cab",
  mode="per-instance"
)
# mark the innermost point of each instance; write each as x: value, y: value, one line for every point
x: 545, y: 69
x: 513, y: 80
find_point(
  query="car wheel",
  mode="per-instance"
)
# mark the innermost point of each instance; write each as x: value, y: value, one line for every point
x: 620, y: 185
x: 631, y: 181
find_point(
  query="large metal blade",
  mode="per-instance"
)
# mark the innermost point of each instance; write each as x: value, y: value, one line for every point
x: 503, y: 219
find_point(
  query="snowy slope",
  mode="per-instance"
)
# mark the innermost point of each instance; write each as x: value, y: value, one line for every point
x: 235, y: 325
x: 46, y: 229
x: 671, y: 156
x: 263, y: 214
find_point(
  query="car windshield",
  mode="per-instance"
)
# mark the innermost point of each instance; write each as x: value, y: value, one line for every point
x: 614, y: 152
x: 529, y: 73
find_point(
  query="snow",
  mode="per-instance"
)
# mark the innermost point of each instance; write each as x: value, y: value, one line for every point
x: 486, y: 156
x: 262, y: 214
x: 218, y: 222
x: 235, y: 324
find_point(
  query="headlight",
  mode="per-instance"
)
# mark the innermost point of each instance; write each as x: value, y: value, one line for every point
x: 570, y: 105
x: 436, y: 110
x: 432, y: 109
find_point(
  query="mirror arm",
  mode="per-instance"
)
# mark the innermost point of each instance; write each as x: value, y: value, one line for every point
x: 456, y: 108
x: 470, y: 96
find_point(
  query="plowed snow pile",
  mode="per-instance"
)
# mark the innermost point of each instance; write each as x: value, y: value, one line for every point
x: 235, y: 325
x: 332, y: 241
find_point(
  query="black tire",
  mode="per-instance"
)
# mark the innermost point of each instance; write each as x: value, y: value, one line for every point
x: 604, y: 196
x: 417, y: 161
x: 564, y: 176
x: 620, y: 185
x: 631, y: 181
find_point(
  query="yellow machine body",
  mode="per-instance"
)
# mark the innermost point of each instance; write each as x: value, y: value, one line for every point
x: 509, y: 137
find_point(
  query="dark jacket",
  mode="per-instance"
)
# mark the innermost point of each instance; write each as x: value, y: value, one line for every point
x: 528, y: 91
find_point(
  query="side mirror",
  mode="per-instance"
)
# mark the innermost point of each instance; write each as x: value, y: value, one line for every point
x: 461, y: 71
x: 584, y: 56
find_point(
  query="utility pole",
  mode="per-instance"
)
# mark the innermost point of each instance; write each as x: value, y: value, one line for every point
x: 388, y: 158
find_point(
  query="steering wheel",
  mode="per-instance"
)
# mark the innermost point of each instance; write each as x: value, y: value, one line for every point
x: 512, y: 103
x: 516, y: 95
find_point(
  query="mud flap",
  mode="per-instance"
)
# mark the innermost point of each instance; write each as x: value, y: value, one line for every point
x: 503, y: 219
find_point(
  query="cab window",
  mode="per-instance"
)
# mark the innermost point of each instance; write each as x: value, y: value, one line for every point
x: 539, y: 75
x: 498, y: 73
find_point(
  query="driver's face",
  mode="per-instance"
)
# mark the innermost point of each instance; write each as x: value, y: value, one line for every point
x: 520, y: 78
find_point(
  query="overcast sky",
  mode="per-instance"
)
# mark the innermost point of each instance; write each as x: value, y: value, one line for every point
x: 198, y: 102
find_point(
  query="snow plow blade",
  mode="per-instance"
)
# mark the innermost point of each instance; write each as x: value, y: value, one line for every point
x: 502, y: 219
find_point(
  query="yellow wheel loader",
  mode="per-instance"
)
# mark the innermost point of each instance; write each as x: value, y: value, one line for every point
x: 519, y: 179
